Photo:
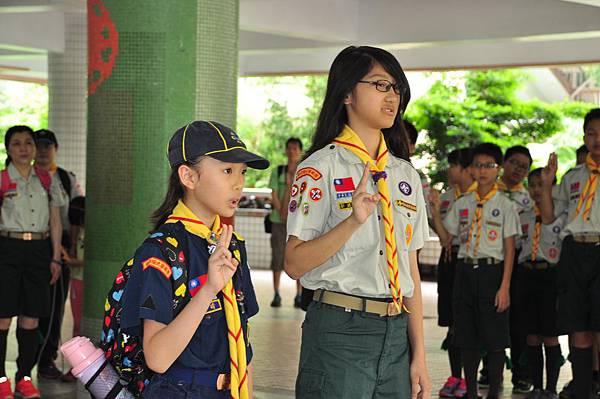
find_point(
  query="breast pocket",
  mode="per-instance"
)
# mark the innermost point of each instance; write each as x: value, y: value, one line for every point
x: 492, y: 235
x: 363, y: 239
x: 405, y: 217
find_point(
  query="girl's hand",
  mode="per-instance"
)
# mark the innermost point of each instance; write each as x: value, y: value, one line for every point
x: 363, y: 203
x: 420, y: 381
x: 221, y: 264
x: 55, y: 270
x: 549, y: 172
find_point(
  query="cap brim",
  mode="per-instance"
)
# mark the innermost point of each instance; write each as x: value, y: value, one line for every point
x: 240, y: 155
x: 45, y: 141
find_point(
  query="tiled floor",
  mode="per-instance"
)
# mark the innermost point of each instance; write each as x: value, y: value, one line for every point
x: 275, y: 335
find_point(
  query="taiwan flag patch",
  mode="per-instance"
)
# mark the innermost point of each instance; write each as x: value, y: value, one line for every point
x: 344, y: 184
x: 196, y: 283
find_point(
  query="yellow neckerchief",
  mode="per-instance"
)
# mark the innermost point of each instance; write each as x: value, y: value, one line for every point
x: 53, y: 168
x: 588, y: 193
x: 503, y: 187
x: 458, y: 193
x: 536, y: 233
x: 235, y: 336
x: 478, y: 217
x: 352, y: 142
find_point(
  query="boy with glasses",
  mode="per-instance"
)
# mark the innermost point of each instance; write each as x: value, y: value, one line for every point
x: 486, y: 223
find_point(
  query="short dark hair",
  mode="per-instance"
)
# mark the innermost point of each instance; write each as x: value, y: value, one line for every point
x: 294, y: 140
x: 518, y: 149
x: 488, y: 149
x: 411, y: 131
x: 538, y: 173
x: 590, y: 116
x: 11, y: 132
x: 582, y: 150
x: 461, y: 157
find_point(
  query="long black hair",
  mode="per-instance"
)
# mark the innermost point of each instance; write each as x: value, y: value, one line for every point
x: 350, y: 66
x: 174, y: 193
x: 11, y: 132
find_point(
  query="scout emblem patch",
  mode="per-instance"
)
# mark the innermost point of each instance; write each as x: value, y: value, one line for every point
x: 294, y: 191
x: 316, y: 194
x: 293, y: 206
x: 492, y: 235
x: 405, y: 188
x: 496, y: 212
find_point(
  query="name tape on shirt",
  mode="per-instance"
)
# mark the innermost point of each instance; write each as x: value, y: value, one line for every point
x: 159, y: 265
x: 311, y: 172
x: 407, y: 205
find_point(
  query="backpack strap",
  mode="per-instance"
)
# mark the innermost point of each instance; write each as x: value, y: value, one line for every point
x: 65, y: 180
x: 4, y: 183
x: 44, y: 177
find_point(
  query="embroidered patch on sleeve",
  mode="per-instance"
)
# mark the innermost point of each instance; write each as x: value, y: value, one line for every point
x: 312, y: 172
x: 345, y: 206
x: 214, y: 306
x: 159, y: 265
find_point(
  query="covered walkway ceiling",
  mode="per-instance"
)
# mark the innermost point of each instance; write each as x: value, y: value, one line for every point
x: 300, y: 36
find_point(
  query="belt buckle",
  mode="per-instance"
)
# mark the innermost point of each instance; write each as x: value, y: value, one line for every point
x: 392, y: 310
x: 27, y: 236
x: 223, y: 382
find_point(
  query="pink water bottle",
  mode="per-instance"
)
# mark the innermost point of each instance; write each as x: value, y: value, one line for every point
x: 86, y: 361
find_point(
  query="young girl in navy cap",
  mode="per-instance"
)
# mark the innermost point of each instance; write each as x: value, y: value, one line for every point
x: 204, y: 350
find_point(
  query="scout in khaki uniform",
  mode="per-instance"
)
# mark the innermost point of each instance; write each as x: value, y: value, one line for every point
x: 579, y: 268
x: 516, y: 165
x: 539, y: 255
x: 30, y: 261
x: 354, y: 227
x: 486, y: 223
x: 461, y: 182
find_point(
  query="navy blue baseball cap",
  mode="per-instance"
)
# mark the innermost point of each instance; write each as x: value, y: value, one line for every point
x: 45, y: 136
x: 211, y: 139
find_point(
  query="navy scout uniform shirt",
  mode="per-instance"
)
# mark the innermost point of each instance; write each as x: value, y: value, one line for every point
x: 321, y: 198
x: 149, y: 295
x: 500, y: 220
x: 567, y: 197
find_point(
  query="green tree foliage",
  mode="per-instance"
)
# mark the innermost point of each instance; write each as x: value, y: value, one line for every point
x: 268, y: 138
x: 483, y: 107
x: 22, y: 104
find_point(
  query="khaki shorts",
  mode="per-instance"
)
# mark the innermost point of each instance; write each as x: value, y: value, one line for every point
x: 278, y: 240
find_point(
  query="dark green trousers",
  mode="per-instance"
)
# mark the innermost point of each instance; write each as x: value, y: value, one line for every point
x: 353, y: 355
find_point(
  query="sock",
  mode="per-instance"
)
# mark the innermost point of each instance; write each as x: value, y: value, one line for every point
x: 581, y: 359
x: 471, y: 359
x: 3, y: 339
x: 535, y: 358
x: 495, y: 372
x: 455, y: 361
x: 28, y: 345
x: 553, y: 363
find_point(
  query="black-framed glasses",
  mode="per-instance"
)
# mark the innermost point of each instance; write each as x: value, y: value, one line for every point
x: 383, y: 85
x: 487, y: 165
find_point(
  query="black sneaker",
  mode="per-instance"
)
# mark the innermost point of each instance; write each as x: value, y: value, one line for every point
x: 276, y: 302
x: 483, y: 381
x: 49, y: 372
x: 522, y: 387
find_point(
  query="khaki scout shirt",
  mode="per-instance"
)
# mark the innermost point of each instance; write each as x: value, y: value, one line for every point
x: 571, y: 187
x: 26, y: 208
x: 500, y: 220
x: 523, y: 202
x: 550, y: 241
x: 322, y: 198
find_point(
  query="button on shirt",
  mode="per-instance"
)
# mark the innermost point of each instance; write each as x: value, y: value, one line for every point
x: 149, y: 295
x: 326, y: 181
x: 25, y: 209
x: 549, y: 242
x: 500, y: 220
x: 566, y: 199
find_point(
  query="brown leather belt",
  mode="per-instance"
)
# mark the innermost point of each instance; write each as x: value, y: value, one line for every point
x: 586, y: 238
x: 383, y: 309
x: 26, y: 236
x: 541, y: 265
